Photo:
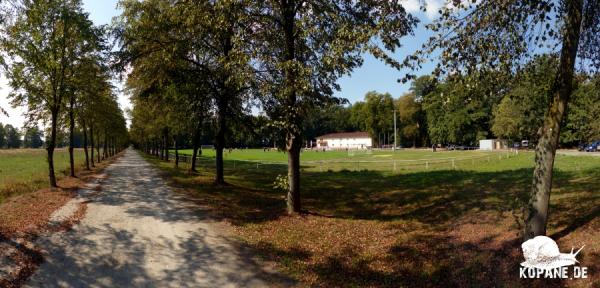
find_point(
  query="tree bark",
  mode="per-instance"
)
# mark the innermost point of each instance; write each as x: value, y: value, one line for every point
x: 92, y: 143
x: 293, y: 137
x: 98, y: 148
x: 50, y: 149
x: 220, y: 143
x: 105, y: 144
x: 176, y: 152
x: 536, y: 217
x: 166, y: 144
x: 195, y: 144
x: 85, y: 145
x: 293, y: 195
x: 71, y: 134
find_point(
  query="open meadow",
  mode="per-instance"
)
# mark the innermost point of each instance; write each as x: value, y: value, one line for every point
x: 425, y: 226
x: 25, y: 170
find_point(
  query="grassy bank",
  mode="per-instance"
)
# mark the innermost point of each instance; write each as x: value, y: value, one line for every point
x: 420, y: 228
x: 26, y: 170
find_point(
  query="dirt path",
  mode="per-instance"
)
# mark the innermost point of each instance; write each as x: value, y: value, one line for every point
x: 138, y: 233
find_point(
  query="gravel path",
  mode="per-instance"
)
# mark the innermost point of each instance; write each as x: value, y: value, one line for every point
x: 138, y: 233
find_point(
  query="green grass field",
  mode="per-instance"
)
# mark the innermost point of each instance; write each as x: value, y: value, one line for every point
x: 377, y: 227
x: 277, y: 156
x: 391, y: 161
x: 23, y: 170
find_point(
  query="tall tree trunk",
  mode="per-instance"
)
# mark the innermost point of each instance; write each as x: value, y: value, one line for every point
x: 167, y: 144
x: 220, y: 142
x: 293, y: 196
x: 537, y: 212
x: 195, y: 144
x: 71, y: 134
x: 50, y: 148
x: 293, y: 137
x: 105, y: 144
x: 85, y: 145
x: 176, y: 152
x: 92, y: 143
x: 98, y: 148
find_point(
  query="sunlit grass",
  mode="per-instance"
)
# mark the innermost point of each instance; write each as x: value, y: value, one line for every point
x: 24, y: 170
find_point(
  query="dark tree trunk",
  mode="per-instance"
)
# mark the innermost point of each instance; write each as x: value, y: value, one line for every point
x: 195, y: 144
x: 293, y: 196
x: 92, y: 143
x: 105, y: 145
x: 50, y: 148
x: 166, y: 141
x: 293, y: 137
x: 85, y: 145
x: 98, y: 148
x: 545, y: 151
x: 71, y: 135
x: 176, y: 152
x: 220, y: 143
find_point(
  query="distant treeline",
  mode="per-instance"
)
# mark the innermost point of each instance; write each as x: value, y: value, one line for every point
x: 32, y: 137
x: 459, y: 110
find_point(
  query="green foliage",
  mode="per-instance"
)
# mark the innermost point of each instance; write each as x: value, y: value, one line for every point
x: 2, y: 136
x: 582, y: 124
x: 33, y: 138
x: 411, y: 119
x: 281, y: 183
x: 13, y: 137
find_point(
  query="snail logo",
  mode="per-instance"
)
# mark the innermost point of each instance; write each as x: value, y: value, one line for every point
x: 543, y: 259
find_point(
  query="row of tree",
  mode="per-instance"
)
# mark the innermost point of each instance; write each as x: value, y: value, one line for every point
x: 55, y: 61
x: 198, y: 63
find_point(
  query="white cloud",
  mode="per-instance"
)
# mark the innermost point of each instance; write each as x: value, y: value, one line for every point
x: 431, y: 6
x: 411, y: 6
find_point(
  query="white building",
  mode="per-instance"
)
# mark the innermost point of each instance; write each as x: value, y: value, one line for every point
x: 492, y: 144
x: 345, y: 140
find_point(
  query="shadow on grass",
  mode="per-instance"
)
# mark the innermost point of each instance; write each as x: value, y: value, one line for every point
x: 430, y: 257
x: 431, y: 197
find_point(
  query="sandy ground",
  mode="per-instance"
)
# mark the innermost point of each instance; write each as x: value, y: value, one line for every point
x: 138, y: 233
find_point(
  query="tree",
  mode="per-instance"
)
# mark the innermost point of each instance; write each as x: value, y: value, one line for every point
x: 13, y: 137
x: 2, y: 136
x: 33, y: 138
x: 411, y: 118
x: 43, y: 43
x: 304, y: 46
x: 500, y: 36
x: 507, y: 119
x: 210, y: 37
x: 582, y: 124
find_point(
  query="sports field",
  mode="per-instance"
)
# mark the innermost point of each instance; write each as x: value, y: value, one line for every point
x: 23, y: 170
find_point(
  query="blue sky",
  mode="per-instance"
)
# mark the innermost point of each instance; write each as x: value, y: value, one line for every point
x: 372, y: 76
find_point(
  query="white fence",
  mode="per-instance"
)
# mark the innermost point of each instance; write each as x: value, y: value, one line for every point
x: 392, y: 165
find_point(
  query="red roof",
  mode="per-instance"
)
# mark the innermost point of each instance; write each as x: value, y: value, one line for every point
x: 345, y: 135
